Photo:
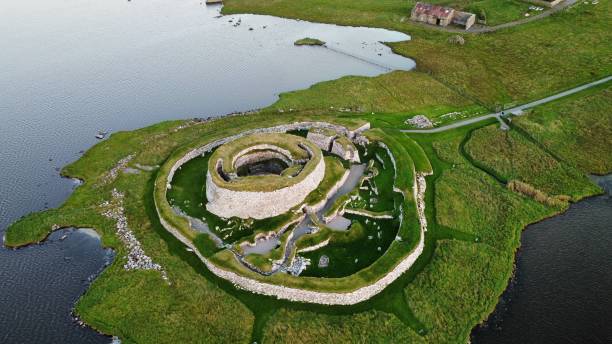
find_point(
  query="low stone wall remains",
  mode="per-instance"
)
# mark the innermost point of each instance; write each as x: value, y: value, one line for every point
x: 315, y: 247
x: 367, y: 214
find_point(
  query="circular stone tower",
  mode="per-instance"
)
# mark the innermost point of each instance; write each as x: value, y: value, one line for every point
x: 262, y: 175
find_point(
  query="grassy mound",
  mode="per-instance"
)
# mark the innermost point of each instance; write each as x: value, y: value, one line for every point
x: 309, y: 41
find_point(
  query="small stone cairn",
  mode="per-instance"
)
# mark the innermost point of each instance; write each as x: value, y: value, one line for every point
x: 420, y: 122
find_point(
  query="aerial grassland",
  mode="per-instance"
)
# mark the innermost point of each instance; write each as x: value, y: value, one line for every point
x: 460, y: 201
x: 509, y: 155
x: 392, y: 14
x: 475, y: 220
x: 578, y: 129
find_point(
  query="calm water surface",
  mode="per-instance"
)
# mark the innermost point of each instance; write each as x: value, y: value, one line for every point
x: 69, y: 68
x: 562, y: 291
x: 40, y: 284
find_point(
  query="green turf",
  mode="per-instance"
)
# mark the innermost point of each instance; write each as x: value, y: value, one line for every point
x: 309, y: 41
x: 474, y: 220
x: 577, y: 130
x: 512, y: 156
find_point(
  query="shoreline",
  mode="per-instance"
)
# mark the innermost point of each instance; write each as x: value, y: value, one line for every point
x: 492, y: 316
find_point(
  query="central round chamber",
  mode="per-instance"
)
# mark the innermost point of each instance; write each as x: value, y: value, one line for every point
x: 264, y: 167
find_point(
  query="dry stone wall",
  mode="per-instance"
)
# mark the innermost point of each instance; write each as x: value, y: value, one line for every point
x: 260, y: 205
x: 296, y: 294
x: 326, y: 298
x: 260, y: 152
x: 345, y: 152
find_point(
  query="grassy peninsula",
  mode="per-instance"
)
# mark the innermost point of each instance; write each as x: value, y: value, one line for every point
x: 475, y: 219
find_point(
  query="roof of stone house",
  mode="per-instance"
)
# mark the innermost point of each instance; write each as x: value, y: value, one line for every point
x: 433, y: 10
x: 462, y: 17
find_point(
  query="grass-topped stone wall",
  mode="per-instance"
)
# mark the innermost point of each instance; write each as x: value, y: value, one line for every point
x: 263, y: 274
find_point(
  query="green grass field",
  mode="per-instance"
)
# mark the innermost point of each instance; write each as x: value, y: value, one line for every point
x: 406, y: 310
x: 493, y: 70
x: 522, y: 63
x: 577, y: 129
x: 392, y: 14
x: 509, y: 155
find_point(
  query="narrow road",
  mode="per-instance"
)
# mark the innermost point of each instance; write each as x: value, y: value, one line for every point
x: 518, y: 110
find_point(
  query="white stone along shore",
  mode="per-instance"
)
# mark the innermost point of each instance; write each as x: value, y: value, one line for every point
x: 296, y: 294
x: 136, y: 257
x: 112, y: 174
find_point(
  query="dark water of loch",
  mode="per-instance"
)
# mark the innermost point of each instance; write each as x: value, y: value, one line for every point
x: 562, y: 290
x: 41, y: 283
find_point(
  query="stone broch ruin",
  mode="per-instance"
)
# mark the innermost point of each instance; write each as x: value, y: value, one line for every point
x: 324, y: 137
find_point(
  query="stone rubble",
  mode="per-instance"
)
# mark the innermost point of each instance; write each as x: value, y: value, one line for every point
x: 111, y: 175
x: 136, y: 257
x: 420, y: 122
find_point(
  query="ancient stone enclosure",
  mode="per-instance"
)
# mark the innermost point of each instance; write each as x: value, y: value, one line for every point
x: 304, y: 211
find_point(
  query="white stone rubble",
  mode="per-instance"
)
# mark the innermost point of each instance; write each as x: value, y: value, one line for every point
x: 420, y: 122
x: 136, y: 257
x: 111, y: 175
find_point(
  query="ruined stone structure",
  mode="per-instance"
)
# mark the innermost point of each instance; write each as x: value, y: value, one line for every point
x: 322, y: 137
x: 333, y: 142
x: 232, y: 196
x: 441, y: 16
x: 348, y: 297
x: 345, y: 149
x: 432, y: 14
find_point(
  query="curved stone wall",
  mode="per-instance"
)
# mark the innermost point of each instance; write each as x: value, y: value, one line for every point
x: 260, y: 153
x: 326, y: 298
x: 260, y: 205
x: 289, y: 293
